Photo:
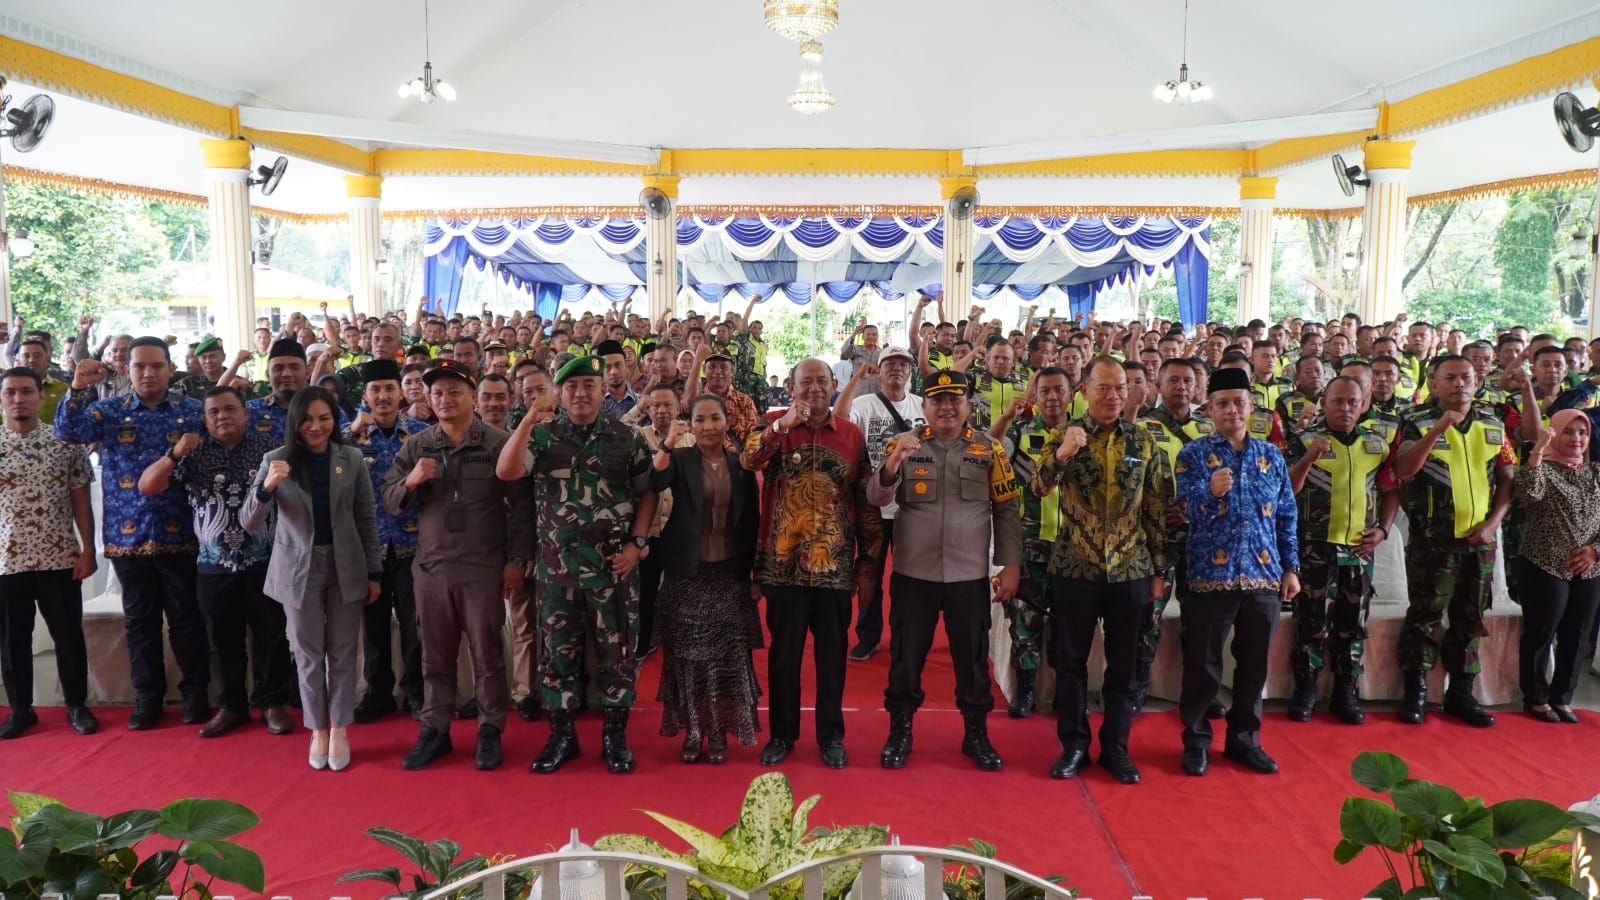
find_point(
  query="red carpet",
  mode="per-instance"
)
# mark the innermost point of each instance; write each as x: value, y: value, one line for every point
x: 1231, y: 834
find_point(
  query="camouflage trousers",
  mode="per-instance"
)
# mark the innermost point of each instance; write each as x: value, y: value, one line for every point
x: 1025, y: 615
x: 1454, y: 582
x: 1150, y: 637
x: 611, y: 615
x: 1330, y: 610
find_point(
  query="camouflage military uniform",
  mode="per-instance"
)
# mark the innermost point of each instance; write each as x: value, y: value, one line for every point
x: 588, y: 482
x: 1041, y: 518
x: 992, y: 395
x: 1171, y: 435
x: 749, y: 368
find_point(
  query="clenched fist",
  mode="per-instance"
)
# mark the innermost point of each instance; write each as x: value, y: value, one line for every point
x: 904, y: 446
x: 1318, y: 447
x: 1221, y: 482
x: 186, y: 445
x: 1071, y: 442
x: 242, y: 358
x: 422, y: 473
x: 277, y: 471
x: 88, y: 374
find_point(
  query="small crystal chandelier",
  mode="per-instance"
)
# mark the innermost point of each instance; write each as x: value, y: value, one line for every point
x: 810, y: 95
x: 801, y: 20
x: 1183, y: 90
x: 427, y: 88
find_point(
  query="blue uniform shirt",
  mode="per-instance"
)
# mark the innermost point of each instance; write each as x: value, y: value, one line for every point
x: 270, y: 419
x: 132, y: 436
x: 397, y: 533
x: 1244, y: 540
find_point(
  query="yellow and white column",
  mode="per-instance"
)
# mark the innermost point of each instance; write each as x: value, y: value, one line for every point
x: 661, y: 248
x: 956, y: 272
x: 1383, y: 230
x: 233, y: 301
x: 365, y: 192
x: 1256, y: 198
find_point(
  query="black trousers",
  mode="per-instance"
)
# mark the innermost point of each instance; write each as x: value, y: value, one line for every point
x: 869, y: 606
x: 59, y: 599
x: 791, y: 613
x: 154, y: 587
x: 1207, y: 617
x: 914, y: 608
x: 232, y: 605
x: 396, y: 601
x: 650, y: 571
x: 1555, y: 612
x: 1078, y: 608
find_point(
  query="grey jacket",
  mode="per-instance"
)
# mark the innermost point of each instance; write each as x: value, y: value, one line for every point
x: 355, y: 527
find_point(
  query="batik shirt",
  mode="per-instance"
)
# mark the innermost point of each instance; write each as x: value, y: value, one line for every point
x: 270, y: 419
x: 217, y: 481
x: 1114, y: 495
x: 38, y: 474
x: 131, y: 437
x: 396, y: 533
x: 1246, y: 539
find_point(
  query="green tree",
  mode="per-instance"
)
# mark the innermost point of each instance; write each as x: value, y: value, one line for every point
x: 178, y: 221
x: 1525, y: 242
x: 798, y: 332
x: 93, y: 254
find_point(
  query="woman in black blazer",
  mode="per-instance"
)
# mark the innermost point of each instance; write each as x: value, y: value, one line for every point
x: 706, y: 618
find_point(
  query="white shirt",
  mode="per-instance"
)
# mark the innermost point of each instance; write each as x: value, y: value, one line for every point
x: 868, y: 413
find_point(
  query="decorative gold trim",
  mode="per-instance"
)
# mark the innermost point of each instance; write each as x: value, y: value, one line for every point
x: 369, y: 186
x: 74, y: 77
x: 1570, y: 178
x: 950, y: 184
x: 820, y: 161
x: 1255, y: 187
x: 1520, y: 82
x: 20, y: 175
x: 312, y: 148
x: 226, y: 154
x: 1150, y: 164
x: 478, y: 162
x: 667, y: 184
x: 1387, y: 154
x: 1280, y: 155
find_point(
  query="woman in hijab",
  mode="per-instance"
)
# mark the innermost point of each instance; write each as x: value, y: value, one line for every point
x: 1559, y: 562
x: 335, y: 385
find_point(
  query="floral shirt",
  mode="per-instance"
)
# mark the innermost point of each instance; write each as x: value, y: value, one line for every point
x: 38, y: 474
x: 1246, y: 539
x: 217, y: 480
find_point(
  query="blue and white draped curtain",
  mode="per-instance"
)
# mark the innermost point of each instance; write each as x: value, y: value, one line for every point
x: 758, y: 254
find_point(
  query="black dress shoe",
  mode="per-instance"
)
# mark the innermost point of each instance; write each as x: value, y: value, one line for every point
x: 1544, y: 715
x: 1117, y: 762
x: 775, y: 751
x: 223, y: 722
x: 196, y: 709
x: 468, y: 710
x: 1253, y: 758
x: 374, y: 707
x: 18, y: 723
x: 1566, y: 714
x: 146, y: 715
x: 863, y: 651
x: 1216, y: 710
x: 277, y: 719
x: 529, y: 709
x: 1068, y: 764
x: 833, y: 755
x: 431, y: 745
x: 489, y: 756
x: 1194, y: 760
x: 82, y: 720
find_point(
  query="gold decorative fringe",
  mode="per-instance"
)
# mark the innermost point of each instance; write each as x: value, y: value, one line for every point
x: 1571, y: 178
x: 19, y: 175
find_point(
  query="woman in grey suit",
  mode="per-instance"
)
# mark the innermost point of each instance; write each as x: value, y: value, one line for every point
x: 325, y: 562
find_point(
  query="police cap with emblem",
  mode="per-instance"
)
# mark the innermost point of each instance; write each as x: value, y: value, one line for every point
x: 448, y: 368
x: 581, y: 365
x: 945, y: 382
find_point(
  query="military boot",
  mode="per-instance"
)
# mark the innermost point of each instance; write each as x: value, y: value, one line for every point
x: 976, y: 743
x: 614, y: 742
x: 1414, y: 705
x: 898, y: 746
x: 1305, y: 696
x: 1459, y: 702
x: 1345, y: 702
x: 1022, y: 702
x: 562, y: 745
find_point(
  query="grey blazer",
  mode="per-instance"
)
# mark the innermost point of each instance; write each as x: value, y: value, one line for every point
x: 355, y: 528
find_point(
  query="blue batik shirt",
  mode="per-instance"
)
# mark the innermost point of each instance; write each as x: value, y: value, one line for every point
x: 397, y: 533
x: 217, y: 481
x: 270, y: 419
x: 132, y: 436
x: 1246, y: 539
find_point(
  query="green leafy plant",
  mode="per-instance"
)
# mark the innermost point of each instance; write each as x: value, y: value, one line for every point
x: 437, y: 864
x: 54, y: 849
x: 1450, y: 845
x: 772, y: 835
x: 963, y: 882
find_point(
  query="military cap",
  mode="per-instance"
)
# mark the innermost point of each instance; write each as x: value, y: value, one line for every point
x: 207, y: 345
x: 581, y: 365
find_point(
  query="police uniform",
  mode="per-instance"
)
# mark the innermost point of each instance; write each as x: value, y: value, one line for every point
x: 590, y: 482
x: 1290, y: 407
x: 954, y: 495
x: 1452, y: 494
x: 1266, y: 393
x: 1337, y: 503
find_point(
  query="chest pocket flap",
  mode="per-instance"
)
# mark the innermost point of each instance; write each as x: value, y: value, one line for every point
x: 974, y: 480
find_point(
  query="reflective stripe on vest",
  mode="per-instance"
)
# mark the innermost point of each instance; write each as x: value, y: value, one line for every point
x: 1350, y: 472
x: 1468, y: 456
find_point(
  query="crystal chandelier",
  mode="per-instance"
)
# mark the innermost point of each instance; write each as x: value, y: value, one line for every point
x: 810, y: 95
x: 427, y: 88
x: 801, y: 20
x: 1183, y: 90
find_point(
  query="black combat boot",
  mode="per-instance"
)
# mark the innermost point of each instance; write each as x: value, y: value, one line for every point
x: 614, y: 742
x: 976, y: 743
x: 898, y: 746
x: 562, y: 745
x: 1459, y: 702
x: 1415, y: 703
x: 1022, y: 701
x: 1305, y: 696
x: 1345, y: 701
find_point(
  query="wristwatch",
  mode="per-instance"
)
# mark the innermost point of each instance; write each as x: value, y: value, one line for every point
x: 641, y: 541
x: 519, y: 562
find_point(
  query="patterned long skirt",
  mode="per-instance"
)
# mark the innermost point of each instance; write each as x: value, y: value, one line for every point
x: 708, y: 682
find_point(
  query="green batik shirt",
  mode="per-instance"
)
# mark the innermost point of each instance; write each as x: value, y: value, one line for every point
x: 1114, y: 494
x: 588, y: 482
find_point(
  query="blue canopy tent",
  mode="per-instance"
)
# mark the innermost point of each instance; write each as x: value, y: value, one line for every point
x: 562, y: 258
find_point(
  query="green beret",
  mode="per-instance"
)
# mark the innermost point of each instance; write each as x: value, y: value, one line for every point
x: 581, y: 365
x: 208, y: 345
